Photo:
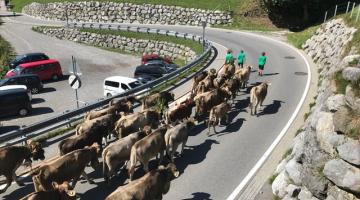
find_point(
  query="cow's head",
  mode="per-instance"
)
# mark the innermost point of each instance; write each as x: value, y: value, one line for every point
x: 94, y: 157
x: 65, y: 190
x: 190, y: 123
x: 170, y: 172
x: 37, y: 152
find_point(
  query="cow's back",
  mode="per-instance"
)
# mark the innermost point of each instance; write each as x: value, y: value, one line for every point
x: 150, y: 145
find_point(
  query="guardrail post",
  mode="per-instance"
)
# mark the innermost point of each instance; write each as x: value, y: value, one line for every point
x: 100, y: 25
x: 335, y: 10
x: 148, y: 30
x: 157, y: 31
x: 128, y: 28
x: 109, y: 27
x: 75, y: 24
x: 137, y: 29
x: 119, y: 27
x: 357, y: 16
x: 325, y: 16
x: 347, y: 7
x: 352, y: 9
x: 91, y: 25
x: 82, y: 25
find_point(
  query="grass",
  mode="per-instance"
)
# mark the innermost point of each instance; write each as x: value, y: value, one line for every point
x: 355, y: 42
x: 247, y: 14
x: 299, y: 38
x: 341, y: 83
x: 287, y: 153
x: 6, y: 55
x: 55, y: 133
x: 272, y: 178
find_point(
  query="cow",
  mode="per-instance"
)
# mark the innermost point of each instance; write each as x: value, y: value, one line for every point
x: 199, y: 77
x: 113, y: 108
x: 163, y: 97
x: 219, y: 81
x: 132, y: 122
x: 213, y: 98
x: 176, y: 135
x: 257, y: 96
x: 88, y: 125
x: 95, y: 134
x: 60, y: 192
x: 243, y: 75
x: 181, y: 112
x: 151, y: 186
x: 12, y: 157
x: 217, y: 113
x: 229, y: 70
x: 117, y: 153
x: 233, y: 86
x: 65, y: 168
x: 147, y: 148
x: 207, y: 83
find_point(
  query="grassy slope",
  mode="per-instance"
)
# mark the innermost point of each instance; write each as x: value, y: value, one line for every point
x: 299, y: 38
x: 238, y: 7
x: 6, y: 54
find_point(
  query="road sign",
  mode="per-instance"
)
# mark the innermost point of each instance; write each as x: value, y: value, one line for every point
x: 74, y: 81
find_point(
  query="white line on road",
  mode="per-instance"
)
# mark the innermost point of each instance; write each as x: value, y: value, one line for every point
x: 268, y: 152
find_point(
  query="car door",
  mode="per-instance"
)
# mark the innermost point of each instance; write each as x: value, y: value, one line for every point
x: 8, y: 105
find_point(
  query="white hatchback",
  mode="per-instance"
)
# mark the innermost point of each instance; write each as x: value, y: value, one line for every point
x: 114, y: 85
x: 14, y: 87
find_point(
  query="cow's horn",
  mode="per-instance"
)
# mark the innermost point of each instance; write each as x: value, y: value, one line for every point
x: 71, y: 193
x: 176, y: 174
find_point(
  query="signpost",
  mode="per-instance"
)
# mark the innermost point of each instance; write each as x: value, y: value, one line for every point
x: 203, y: 23
x: 74, y: 78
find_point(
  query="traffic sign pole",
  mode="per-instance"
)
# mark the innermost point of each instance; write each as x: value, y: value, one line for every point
x: 74, y: 80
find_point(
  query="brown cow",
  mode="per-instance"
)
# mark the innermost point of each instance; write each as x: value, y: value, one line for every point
x: 243, y: 75
x: 219, y: 81
x: 164, y: 97
x: 176, y: 135
x: 147, y: 148
x: 13, y: 156
x: 60, y: 192
x: 233, y: 85
x: 132, y: 122
x: 199, y: 77
x: 117, y: 153
x: 229, y: 70
x: 181, y: 112
x: 65, y: 168
x: 149, y: 187
x: 257, y: 96
x: 208, y: 82
x: 217, y: 113
x: 114, y: 108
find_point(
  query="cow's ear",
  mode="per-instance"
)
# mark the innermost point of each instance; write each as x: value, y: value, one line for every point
x: 268, y: 83
x: 55, y: 185
x: 161, y: 167
x: 176, y: 173
x: 71, y: 193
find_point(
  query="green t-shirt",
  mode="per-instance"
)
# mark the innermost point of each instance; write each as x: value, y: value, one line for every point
x: 241, y: 57
x: 229, y: 57
x: 262, y: 60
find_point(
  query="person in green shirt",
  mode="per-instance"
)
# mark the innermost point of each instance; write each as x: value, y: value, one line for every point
x: 261, y: 62
x: 241, y: 59
x: 229, y: 58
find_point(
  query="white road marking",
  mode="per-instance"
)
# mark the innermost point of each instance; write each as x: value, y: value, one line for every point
x: 268, y: 152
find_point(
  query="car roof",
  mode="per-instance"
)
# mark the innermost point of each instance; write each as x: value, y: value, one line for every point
x: 18, y: 90
x: 32, y: 54
x: 122, y: 79
x: 23, y: 75
x: 30, y: 64
x: 12, y: 87
x: 147, y: 56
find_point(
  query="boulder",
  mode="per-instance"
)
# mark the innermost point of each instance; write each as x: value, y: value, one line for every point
x: 334, y: 102
x: 293, y: 190
x: 343, y: 175
x: 351, y: 74
x: 350, y: 60
x: 305, y: 194
x: 280, y: 183
x: 294, y: 169
x: 341, y: 120
x: 324, y: 128
x: 350, y: 151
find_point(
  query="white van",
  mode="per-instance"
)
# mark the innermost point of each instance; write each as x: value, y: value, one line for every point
x: 14, y: 87
x: 114, y: 85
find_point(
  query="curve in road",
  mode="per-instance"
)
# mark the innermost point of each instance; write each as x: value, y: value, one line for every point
x: 213, y: 166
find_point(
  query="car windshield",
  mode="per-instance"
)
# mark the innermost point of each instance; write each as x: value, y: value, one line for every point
x: 3, y: 81
x: 18, y: 69
x: 18, y: 58
x: 134, y: 84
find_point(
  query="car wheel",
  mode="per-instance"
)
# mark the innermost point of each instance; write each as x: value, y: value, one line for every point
x: 108, y: 95
x: 23, y: 112
x: 35, y: 90
x: 55, y: 77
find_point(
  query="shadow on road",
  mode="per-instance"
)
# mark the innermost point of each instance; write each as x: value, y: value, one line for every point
x: 199, y: 196
x: 48, y: 89
x: 5, y: 129
x: 37, y: 100
x: 41, y: 110
x: 270, y: 74
x: 20, y: 191
x: 271, y: 108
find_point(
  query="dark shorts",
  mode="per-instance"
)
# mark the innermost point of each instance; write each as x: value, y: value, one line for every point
x: 261, y: 67
x: 241, y: 64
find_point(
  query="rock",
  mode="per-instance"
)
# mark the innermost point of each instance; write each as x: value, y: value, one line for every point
x: 280, y: 167
x: 294, y: 169
x: 335, y: 193
x: 341, y: 119
x: 351, y: 99
x: 335, y: 102
x: 280, y: 183
x: 343, y: 175
x: 305, y: 194
x: 293, y: 190
x: 324, y: 127
x: 351, y: 74
x: 350, y: 152
x: 350, y: 60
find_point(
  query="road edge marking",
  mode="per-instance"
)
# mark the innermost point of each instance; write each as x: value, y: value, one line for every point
x: 283, y: 132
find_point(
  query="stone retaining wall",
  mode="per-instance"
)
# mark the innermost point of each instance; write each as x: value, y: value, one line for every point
x: 324, y: 161
x: 131, y: 45
x: 110, y: 12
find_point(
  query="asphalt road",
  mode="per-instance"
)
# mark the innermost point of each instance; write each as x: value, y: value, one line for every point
x: 212, y: 167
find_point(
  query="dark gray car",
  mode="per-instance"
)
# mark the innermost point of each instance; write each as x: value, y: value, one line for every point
x: 26, y: 58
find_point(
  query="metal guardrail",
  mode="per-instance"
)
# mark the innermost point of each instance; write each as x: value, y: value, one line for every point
x: 44, y: 126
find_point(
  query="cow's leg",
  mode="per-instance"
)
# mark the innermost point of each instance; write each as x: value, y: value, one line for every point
x: 183, y: 146
x: 131, y: 171
x: 105, y: 140
x: 146, y: 166
x: 227, y: 118
x: 162, y: 155
x: 36, y: 183
x: 74, y: 181
x: 87, y: 178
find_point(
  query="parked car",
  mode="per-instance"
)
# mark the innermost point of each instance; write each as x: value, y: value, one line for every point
x: 162, y: 64
x: 32, y: 82
x: 118, y: 84
x: 154, y: 70
x: 45, y: 69
x: 149, y: 57
x: 26, y: 58
x: 16, y: 87
x: 14, y: 102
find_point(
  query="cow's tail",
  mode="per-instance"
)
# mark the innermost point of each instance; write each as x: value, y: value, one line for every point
x: 77, y: 130
x: 105, y: 166
x: 133, y: 161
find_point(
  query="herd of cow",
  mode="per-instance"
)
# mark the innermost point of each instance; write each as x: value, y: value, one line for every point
x: 141, y: 136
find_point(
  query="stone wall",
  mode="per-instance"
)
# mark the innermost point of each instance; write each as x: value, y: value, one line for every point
x: 325, y: 160
x: 110, y: 12
x: 130, y: 45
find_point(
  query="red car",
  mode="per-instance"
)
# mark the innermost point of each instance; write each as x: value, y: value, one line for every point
x: 150, y: 57
x: 45, y: 69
